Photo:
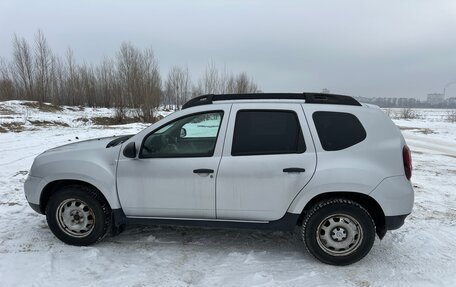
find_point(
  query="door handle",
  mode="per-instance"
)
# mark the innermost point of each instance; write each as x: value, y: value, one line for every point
x: 294, y: 169
x: 203, y: 170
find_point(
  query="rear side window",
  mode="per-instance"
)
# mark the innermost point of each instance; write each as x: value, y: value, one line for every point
x: 337, y: 130
x: 260, y: 132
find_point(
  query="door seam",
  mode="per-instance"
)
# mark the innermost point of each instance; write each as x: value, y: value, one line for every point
x: 220, y: 161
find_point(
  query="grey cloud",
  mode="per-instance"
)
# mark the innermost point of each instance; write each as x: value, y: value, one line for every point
x: 365, y: 48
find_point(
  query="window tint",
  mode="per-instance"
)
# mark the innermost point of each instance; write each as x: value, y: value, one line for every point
x: 190, y: 136
x: 338, y: 130
x: 267, y: 132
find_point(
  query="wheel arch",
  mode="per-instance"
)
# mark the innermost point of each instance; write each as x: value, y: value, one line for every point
x: 366, y: 201
x: 55, y: 185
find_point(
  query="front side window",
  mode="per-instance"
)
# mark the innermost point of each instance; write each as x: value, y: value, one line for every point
x: 190, y: 136
x: 260, y: 132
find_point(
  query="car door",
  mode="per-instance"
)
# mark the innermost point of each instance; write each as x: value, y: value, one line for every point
x: 268, y: 157
x: 174, y: 173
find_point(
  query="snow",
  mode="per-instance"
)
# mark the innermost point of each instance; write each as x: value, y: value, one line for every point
x: 421, y: 253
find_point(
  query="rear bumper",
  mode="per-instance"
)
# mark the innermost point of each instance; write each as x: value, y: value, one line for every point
x: 394, y: 222
x: 391, y: 223
x: 395, y: 196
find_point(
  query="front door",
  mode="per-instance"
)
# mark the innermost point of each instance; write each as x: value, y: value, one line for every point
x: 174, y: 174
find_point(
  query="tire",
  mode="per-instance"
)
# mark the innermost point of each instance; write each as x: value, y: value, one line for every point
x: 338, y: 231
x: 78, y: 215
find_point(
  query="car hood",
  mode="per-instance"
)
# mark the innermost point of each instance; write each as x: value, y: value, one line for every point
x: 80, y: 158
x: 98, y: 143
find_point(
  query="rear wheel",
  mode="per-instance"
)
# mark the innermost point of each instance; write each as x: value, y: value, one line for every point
x: 78, y: 215
x: 338, y: 231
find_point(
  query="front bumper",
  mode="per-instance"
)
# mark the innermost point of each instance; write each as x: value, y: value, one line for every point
x: 35, y: 207
x: 32, y: 190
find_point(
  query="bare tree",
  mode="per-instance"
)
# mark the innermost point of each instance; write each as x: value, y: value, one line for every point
x: 213, y: 81
x: 185, y: 91
x: 140, y: 80
x: 241, y: 84
x: 105, y: 74
x: 407, y: 113
x: 150, y: 85
x: 22, y: 68
x: 6, y: 89
x: 71, y: 76
x: 177, y: 87
x: 6, y: 82
x: 43, y: 66
x: 210, y: 83
x: 57, y: 81
x: 244, y: 85
x: 129, y: 81
x: 87, y: 84
x: 197, y: 90
x: 127, y: 67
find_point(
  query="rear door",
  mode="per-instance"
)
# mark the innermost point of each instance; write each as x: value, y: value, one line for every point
x: 268, y: 157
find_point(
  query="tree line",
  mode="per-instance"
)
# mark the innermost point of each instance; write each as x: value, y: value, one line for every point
x: 449, y: 103
x: 130, y: 80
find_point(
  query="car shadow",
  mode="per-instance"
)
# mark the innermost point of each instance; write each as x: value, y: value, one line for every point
x: 235, y: 240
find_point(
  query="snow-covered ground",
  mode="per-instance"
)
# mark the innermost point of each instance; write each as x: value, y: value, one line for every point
x: 421, y: 253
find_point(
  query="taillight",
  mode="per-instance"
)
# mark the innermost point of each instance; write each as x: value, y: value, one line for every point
x: 407, y: 158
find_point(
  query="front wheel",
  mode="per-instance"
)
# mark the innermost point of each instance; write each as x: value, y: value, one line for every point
x: 77, y: 215
x: 338, y: 231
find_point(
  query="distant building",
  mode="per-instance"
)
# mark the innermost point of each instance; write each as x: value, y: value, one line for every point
x: 435, y: 98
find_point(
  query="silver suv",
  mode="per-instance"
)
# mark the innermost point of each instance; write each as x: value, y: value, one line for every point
x: 336, y: 170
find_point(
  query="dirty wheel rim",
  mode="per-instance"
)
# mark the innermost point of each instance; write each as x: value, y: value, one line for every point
x: 339, y: 234
x: 75, y: 217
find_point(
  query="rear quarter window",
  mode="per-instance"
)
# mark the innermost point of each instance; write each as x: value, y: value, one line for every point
x: 337, y: 130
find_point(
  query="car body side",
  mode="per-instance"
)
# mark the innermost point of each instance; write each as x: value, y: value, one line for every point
x: 372, y: 168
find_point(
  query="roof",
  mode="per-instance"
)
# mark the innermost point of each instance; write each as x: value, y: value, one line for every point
x: 309, y: 98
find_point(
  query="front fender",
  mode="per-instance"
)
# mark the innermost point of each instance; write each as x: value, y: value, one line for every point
x: 104, y: 183
x: 96, y: 167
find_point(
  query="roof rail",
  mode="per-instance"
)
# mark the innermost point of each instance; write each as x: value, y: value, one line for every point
x: 310, y: 98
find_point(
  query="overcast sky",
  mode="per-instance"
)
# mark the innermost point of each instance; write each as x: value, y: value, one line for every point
x: 361, y: 48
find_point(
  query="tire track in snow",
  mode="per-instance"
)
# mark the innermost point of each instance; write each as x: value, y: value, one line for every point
x: 427, y: 144
x: 17, y: 160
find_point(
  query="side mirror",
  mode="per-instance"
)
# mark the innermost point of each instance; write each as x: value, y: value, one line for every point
x: 183, y: 133
x: 130, y: 150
